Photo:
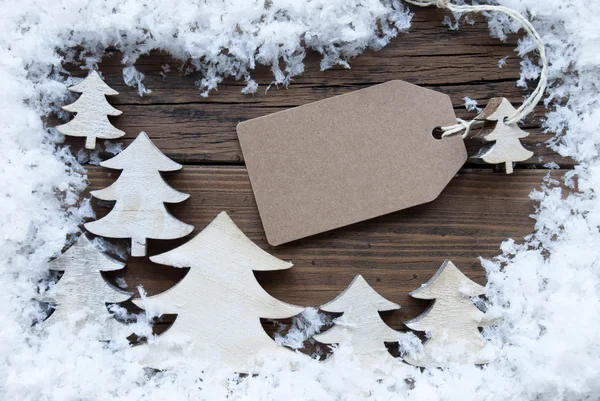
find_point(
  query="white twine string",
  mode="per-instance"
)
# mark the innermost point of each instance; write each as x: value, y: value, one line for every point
x: 533, y: 99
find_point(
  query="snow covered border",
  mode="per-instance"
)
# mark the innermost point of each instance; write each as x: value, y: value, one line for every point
x: 547, y: 291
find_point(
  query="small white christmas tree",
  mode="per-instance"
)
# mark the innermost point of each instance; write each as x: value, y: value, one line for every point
x: 141, y: 193
x: 219, y: 303
x: 507, y: 147
x: 451, y: 322
x: 92, y: 110
x: 361, y: 326
x: 82, y: 293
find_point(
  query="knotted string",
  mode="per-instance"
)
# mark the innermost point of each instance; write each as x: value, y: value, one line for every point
x: 534, y: 98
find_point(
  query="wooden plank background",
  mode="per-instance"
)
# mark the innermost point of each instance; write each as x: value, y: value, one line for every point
x: 395, y: 253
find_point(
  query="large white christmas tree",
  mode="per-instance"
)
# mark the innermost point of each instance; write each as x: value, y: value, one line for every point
x: 361, y: 327
x: 451, y: 322
x: 92, y: 110
x: 81, y: 295
x: 141, y: 193
x: 219, y: 303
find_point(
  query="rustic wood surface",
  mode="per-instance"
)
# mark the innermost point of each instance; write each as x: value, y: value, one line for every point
x: 83, y: 292
x: 219, y: 304
x: 192, y: 129
x: 141, y: 193
x: 92, y: 110
x: 506, y: 138
x: 394, y: 253
x: 361, y: 326
x: 452, y: 322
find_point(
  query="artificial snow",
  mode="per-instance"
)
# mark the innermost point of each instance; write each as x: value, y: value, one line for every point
x: 132, y: 77
x: 502, y: 62
x: 471, y: 104
x: 544, y: 290
x: 304, y: 327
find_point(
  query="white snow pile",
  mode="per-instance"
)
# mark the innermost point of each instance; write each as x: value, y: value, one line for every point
x: 546, y: 291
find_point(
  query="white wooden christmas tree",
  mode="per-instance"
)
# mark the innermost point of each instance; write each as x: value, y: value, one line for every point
x: 81, y: 295
x: 361, y: 326
x: 219, y: 303
x: 507, y: 147
x: 92, y: 110
x: 451, y: 322
x: 140, y: 194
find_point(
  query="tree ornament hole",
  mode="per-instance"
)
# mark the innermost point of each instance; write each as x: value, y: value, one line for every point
x: 437, y: 133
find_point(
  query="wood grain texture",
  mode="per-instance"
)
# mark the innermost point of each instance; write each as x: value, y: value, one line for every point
x: 506, y: 148
x: 140, y: 194
x: 429, y: 54
x: 92, y: 108
x: 395, y: 253
x: 451, y: 322
x: 360, y: 327
x: 82, y: 294
x: 218, y: 304
x: 191, y: 129
x: 205, y: 134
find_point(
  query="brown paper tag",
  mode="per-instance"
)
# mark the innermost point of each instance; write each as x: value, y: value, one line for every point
x: 349, y: 158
